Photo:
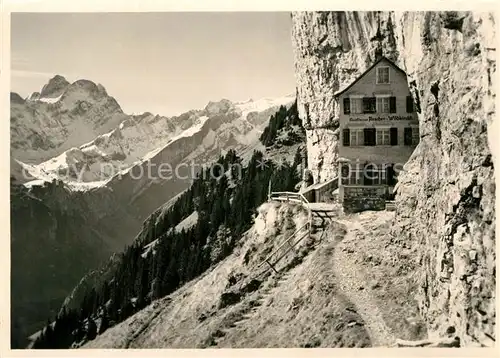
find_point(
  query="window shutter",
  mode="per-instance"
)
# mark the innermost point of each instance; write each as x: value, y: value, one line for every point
x: 366, y: 104
x: 373, y: 105
x: 409, y: 104
x: 392, y: 104
x: 346, y: 137
x: 369, y: 134
x: 394, y: 136
x: 408, y: 136
x: 373, y: 134
x: 347, y: 106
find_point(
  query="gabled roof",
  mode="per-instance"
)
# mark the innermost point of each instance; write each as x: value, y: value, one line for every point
x: 338, y: 93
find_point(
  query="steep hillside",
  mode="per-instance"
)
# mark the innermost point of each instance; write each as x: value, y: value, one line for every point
x: 445, y: 201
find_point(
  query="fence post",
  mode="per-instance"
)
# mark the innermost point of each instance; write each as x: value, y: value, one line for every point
x: 310, y: 224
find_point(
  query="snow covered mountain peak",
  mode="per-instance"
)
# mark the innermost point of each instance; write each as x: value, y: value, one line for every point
x: 58, y: 88
x: 63, y: 115
x: 263, y: 104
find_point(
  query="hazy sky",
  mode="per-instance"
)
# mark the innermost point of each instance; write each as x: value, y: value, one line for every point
x: 159, y: 62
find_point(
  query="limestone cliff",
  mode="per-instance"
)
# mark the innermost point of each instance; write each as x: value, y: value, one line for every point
x: 445, y: 202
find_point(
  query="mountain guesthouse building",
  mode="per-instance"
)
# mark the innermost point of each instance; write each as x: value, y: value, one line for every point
x: 379, y: 131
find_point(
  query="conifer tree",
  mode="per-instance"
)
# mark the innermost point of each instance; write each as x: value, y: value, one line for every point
x: 104, y: 321
x: 91, y: 329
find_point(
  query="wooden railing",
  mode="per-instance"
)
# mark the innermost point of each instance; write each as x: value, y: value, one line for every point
x: 288, y: 242
x: 290, y: 196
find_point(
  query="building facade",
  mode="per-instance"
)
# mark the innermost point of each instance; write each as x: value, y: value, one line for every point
x: 379, y: 131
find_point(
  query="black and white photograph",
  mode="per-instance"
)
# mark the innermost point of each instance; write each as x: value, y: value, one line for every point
x: 252, y: 179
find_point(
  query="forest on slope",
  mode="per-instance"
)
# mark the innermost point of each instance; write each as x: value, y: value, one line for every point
x: 284, y: 128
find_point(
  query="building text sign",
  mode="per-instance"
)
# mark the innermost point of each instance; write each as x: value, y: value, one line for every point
x: 376, y: 119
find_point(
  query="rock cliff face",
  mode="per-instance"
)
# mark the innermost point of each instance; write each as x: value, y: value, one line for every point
x: 446, y: 193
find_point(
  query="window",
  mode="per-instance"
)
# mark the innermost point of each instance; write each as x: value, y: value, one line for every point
x: 409, y: 104
x: 347, y: 107
x: 371, y: 174
x: 357, y: 105
x: 369, y: 136
x: 369, y: 105
x: 357, y: 137
x: 356, y: 176
x: 345, y: 137
x: 351, y: 175
x: 412, y: 136
x: 383, y: 105
x: 376, y: 174
x: 383, y: 136
x: 382, y: 75
x: 386, y: 104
